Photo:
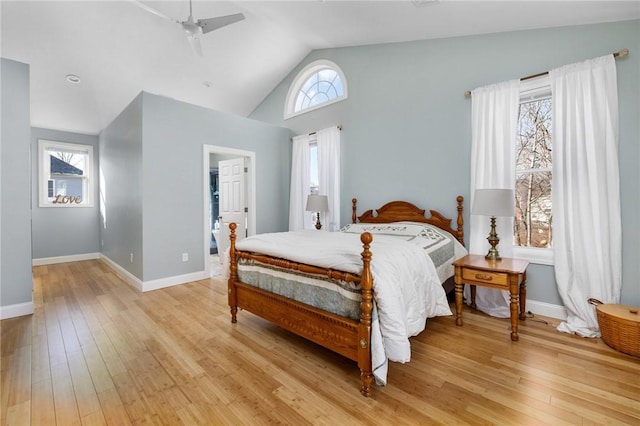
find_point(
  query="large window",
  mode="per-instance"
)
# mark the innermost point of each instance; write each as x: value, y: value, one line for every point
x: 319, y: 84
x: 66, y: 174
x: 534, y: 215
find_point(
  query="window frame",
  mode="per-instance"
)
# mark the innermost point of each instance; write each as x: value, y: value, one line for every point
x: 531, y: 90
x: 302, y: 77
x: 44, y: 170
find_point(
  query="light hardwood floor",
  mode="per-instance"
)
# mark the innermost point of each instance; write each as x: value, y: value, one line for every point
x: 96, y: 351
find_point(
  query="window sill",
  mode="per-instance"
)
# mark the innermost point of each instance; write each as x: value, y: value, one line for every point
x: 65, y: 206
x: 540, y: 256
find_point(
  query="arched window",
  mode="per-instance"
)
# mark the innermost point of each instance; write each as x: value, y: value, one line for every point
x: 319, y: 84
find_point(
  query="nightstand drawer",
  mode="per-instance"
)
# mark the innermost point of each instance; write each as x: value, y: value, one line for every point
x: 495, y: 278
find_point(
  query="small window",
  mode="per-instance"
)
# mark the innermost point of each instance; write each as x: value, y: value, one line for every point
x: 319, y: 84
x: 533, y: 231
x: 66, y: 174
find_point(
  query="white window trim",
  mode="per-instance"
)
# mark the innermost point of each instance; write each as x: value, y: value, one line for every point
x: 535, y: 88
x: 537, y: 255
x: 44, y: 170
x: 302, y: 77
x: 530, y: 90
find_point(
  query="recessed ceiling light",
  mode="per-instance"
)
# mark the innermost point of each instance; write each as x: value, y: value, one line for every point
x: 72, y: 78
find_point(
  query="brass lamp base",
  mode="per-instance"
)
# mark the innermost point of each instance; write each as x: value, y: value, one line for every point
x: 318, y: 224
x: 493, y: 240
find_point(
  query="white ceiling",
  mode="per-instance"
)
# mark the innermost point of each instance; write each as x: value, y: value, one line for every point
x: 119, y: 49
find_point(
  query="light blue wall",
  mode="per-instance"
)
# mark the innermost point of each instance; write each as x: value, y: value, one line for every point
x: 121, y: 189
x: 407, y: 131
x: 173, y: 193
x: 63, y: 231
x: 151, y: 158
x: 16, y: 284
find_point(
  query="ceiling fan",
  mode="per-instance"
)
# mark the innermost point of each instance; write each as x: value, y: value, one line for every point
x: 193, y: 28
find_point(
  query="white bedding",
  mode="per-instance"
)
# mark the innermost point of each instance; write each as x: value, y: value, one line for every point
x: 407, y: 288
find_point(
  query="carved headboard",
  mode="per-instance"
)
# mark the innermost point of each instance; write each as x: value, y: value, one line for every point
x: 398, y: 211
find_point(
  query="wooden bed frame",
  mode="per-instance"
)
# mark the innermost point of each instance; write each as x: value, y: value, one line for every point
x: 345, y: 336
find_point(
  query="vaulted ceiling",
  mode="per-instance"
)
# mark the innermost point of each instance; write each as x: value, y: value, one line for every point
x: 118, y: 48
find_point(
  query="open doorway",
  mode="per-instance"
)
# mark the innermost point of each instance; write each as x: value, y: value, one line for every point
x: 212, y: 156
x: 214, y: 200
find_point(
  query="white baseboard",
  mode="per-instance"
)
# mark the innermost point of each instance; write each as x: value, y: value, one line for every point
x: 17, y: 310
x: 144, y: 286
x: 125, y: 275
x: 547, y: 309
x: 176, y: 280
x: 538, y: 308
x: 64, y: 259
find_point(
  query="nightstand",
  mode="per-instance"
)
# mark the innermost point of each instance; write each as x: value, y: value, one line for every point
x: 506, y: 274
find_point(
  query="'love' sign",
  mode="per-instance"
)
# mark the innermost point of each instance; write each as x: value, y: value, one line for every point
x: 67, y: 199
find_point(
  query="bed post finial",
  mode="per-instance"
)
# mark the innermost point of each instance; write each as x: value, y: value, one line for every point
x: 354, y: 203
x: 460, y: 230
x: 233, y: 273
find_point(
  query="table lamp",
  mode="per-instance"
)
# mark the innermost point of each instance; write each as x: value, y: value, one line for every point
x: 317, y: 204
x: 493, y: 202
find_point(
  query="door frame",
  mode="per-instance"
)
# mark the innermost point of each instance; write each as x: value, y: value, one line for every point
x: 250, y: 182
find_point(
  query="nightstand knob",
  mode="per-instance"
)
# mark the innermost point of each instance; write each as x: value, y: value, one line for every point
x: 485, y: 277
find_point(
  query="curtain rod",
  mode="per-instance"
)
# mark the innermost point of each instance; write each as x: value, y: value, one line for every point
x: 619, y: 54
x: 339, y: 126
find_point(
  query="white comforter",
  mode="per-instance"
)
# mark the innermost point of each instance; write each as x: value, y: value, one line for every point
x: 406, y: 287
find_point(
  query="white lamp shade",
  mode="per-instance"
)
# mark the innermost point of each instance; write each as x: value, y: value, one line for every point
x: 317, y: 203
x: 493, y: 202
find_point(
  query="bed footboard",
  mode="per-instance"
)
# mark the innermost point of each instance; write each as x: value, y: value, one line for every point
x: 345, y: 336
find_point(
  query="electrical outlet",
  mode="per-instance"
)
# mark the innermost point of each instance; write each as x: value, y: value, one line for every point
x: 131, y: 257
x: 185, y: 257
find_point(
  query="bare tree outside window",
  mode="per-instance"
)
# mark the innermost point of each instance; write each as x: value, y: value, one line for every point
x: 533, y: 215
x: 74, y: 159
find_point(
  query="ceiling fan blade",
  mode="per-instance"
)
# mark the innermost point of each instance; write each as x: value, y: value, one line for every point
x: 211, y: 24
x: 152, y: 10
x: 194, y: 41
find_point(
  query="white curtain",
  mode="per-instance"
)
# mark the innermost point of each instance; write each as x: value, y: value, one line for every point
x: 299, y: 219
x: 328, y: 141
x: 494, y: 121
x: 586, y: 197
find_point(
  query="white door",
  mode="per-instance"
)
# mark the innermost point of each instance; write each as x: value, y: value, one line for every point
x: 232, y: 199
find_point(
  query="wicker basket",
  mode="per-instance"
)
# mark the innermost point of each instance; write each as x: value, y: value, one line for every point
x: 619, y: 326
